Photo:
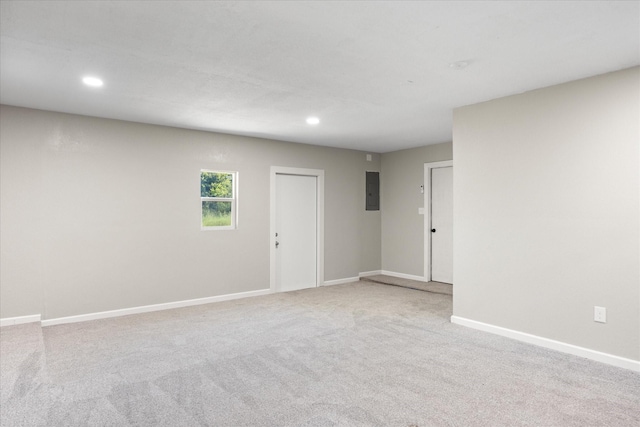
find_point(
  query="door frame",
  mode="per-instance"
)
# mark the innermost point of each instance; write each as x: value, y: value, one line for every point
x: 427, y: 213
x: 319, y: 174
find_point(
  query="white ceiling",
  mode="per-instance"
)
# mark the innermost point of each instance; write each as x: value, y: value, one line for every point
x: 377, y: 74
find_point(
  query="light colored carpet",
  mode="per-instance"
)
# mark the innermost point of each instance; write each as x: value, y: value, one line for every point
x: 434, y: 287
x: 359, y: 354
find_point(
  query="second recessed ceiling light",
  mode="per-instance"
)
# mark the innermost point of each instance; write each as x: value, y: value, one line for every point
x: 92, y: 81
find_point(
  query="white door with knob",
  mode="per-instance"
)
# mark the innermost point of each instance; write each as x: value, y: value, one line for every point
x: 441, y: 228
x: 296, y: 219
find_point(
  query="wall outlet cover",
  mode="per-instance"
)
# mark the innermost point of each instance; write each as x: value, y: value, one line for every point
x: 600, y: 314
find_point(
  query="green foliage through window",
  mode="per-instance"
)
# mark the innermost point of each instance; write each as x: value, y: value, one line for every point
x: 217, y: 193
x: 216, y: 184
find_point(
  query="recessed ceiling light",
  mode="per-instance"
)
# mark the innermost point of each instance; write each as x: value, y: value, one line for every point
x: 313, y: 120
x: 92, y: 81
x: 459, y: 65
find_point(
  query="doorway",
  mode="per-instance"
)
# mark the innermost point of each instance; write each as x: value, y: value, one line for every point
x: 438, y: 221
x: 297, y: 236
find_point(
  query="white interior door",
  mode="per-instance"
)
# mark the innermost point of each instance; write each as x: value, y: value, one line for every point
x: 296, y: 232
x: 442, y: 224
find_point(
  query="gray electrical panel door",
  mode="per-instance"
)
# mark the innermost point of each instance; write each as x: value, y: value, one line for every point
x: 373, y: 191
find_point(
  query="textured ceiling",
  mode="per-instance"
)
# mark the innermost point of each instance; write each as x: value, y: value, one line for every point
x: 377, y: 74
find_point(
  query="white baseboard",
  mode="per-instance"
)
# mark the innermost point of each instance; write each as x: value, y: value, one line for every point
x: 370, y: 273
x: 10, y: 321
x: 154, y: 307
x: 598, y: 356
x: 402, y: 275
x: 340, y: 281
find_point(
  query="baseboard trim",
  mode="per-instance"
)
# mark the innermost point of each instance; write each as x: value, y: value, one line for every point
x: 154, y: 307
x: 370, y: 273
x: 340, y: 281
x: 402, y: 275
x: 11, y: 321
x: 598, y: 356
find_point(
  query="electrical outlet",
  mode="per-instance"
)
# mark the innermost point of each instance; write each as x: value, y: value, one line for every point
x: 600, y: 314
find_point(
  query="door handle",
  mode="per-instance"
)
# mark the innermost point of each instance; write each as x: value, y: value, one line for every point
x: 277, y: 244
x: 433, y: 230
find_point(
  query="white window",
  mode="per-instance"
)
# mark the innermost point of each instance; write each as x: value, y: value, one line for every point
x: 219, y: 199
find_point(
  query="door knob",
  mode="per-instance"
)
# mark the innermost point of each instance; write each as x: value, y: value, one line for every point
x: 433, y: 230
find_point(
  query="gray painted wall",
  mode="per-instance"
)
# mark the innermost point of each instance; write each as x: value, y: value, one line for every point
x: 402, y: 226
x: 546, y: 212
x: 102, y: 214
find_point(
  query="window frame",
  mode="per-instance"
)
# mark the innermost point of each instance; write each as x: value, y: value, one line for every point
x: 233, y: 199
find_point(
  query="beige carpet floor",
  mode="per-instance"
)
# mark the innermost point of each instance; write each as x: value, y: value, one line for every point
x: 434, y: 287
x: 360, y: 354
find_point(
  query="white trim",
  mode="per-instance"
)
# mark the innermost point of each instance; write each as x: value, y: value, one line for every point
x: 319, y: 174
x: 370, y: 273
x: 340, y: 281
x: 154, y: 307
x: 403, y: 276
x: 10, y: 321
x: 427, y: 213
x: 598, y: 356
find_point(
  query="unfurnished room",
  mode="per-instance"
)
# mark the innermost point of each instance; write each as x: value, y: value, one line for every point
x: 320, y: 213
